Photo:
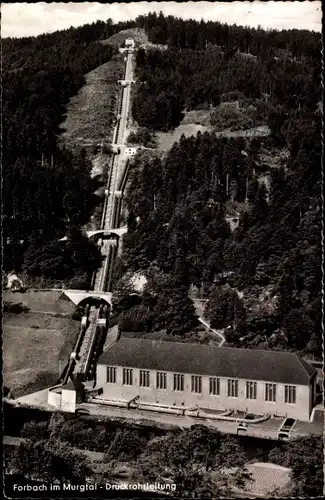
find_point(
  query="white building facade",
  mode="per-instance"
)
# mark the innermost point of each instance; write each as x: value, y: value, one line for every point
x: 130, y: 151
x: 190, y: 375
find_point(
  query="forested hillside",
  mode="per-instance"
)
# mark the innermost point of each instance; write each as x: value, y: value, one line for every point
x: 209, y: 62
x: 263, y: 277
x: 174, y: 80
x: 47, y: 190
x: 180, y: 33
x: 179, y: 204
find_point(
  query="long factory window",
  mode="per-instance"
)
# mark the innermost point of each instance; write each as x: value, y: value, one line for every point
x: 161, y: 381
x: 111, y: 374
x: 144, y: 378
x: 178, y: 382
x: 127, y: 376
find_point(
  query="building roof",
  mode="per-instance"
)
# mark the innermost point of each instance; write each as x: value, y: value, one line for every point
x: 228, y: 362
x: 69, y: 386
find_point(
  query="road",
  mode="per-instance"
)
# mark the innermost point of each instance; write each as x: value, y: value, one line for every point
x: 215, y: 333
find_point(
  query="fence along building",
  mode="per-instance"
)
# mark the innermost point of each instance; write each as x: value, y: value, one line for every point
x: 220, y: 378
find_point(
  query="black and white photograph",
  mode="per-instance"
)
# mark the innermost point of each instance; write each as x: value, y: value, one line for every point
x: 162, y: 250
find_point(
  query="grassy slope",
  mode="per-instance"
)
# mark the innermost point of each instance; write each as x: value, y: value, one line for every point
x: 166, y: 139
x: 31, y: 355
x: 200, y: 120
x: 89, y: 111
x: 45, y: 301
x: 89, y: 120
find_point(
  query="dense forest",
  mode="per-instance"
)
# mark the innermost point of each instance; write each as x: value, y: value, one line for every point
x: 193, y: 458
x: 47, y: 190
x: 206, y: 61
x: 174, y: 80
x: 182, y: 200
x: 180, y: 33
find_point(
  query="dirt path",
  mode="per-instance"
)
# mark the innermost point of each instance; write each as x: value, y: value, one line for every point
x: 199, y: 308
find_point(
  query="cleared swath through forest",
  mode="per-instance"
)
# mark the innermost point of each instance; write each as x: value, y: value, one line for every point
x: 110, y: 220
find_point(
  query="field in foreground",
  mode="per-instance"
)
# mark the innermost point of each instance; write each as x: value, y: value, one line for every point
x: 33, y: 344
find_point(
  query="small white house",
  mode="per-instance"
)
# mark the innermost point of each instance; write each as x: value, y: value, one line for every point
x: 130, y: 151
x: 14, y: 283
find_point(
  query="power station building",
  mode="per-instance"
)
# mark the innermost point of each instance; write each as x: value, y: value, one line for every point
x: 188, y: 375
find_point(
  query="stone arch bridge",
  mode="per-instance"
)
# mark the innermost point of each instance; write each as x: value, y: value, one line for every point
x: 108, y: 232
x: 79, y: 296
x: 117, y: 232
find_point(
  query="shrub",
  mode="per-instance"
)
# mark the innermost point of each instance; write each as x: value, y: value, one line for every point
x: 233, y: 95
x: 229, y: 115
x: 78, y: 313
x: 79, y: 282
x: 6, y: 391
x: 137, y: 319
x: 35, y: 430
x: 15, y: 307
x: 142, y: 136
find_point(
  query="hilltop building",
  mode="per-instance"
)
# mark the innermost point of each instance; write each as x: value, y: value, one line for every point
x: 215, y: 378
x: 130, y: 43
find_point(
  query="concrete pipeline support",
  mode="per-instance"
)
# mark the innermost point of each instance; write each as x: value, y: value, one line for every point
x: 179, y: 410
